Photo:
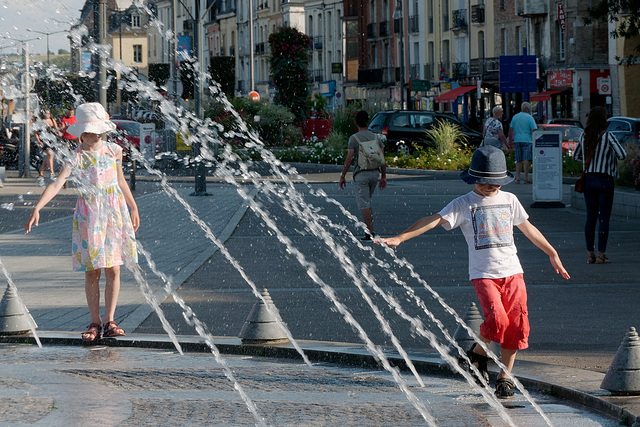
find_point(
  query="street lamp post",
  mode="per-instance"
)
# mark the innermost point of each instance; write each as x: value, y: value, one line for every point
x: 26, y: 140
x: 398, y: 14
x: 46, y: 33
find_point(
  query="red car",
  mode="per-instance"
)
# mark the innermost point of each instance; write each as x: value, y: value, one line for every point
x: 570, y: 135
x: 126, y: 134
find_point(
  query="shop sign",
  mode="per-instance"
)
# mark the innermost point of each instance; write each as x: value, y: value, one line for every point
x: 560, y: 78
x: 561, y: 17
x: 336, y: 67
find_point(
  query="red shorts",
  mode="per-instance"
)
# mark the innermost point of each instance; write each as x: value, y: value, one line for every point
x: 504, y: 306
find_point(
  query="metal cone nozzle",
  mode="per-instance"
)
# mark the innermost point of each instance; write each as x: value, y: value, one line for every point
x: 473, y: 318
x: 262, y: 326
x: 623, y: 376
x: 14, y: 318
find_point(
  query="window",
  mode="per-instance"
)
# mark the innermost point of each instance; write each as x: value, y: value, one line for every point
x: 503, y: 4
x: 481, y: 51
x: 135, y: 21
x: 430, y: 16
x: 352, y: 50
x: 503, y: 33
x: 561, y: 44
x: 137, y: 53
x: 445, y: 15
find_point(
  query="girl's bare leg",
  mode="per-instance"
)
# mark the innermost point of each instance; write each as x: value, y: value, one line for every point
x: 92, y: 292
x: 112, y: 290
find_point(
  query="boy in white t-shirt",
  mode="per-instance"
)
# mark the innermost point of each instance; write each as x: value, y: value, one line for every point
x: 486, y: 217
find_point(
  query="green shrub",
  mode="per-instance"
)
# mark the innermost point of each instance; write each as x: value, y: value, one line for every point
x: 428, y: 158
x: 629, y: 168
x: 446, y: 137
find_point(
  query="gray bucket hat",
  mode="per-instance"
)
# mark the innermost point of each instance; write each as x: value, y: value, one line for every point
x: 488, y: 166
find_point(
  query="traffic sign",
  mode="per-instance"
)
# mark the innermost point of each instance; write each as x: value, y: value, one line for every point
x: 604, y: 86
x: 254, y: 96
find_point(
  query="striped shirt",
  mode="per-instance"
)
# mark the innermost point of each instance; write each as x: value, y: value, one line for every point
x: 604, y: 159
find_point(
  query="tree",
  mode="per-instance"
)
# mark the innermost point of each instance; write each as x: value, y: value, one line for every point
x: 626, y: 15
x: 159, y: 74
x: 290, y: 55
x: 223, y: 71
x: 187, y: 77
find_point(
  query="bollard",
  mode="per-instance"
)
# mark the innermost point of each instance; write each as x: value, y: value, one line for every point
x: 261, y: 326
x: 14, y: 319
x: 623, y: 376
x: 473, y: 318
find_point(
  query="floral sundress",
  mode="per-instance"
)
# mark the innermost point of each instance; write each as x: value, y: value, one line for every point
x: 103, y: 234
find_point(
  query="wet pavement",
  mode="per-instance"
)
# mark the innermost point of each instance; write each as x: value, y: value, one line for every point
x: 75, y: 386
x: 577, y: 325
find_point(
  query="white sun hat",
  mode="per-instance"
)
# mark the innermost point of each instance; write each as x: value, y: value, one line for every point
x: 91, y: 118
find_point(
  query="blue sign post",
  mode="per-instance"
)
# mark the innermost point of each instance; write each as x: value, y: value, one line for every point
x: 518, y: 73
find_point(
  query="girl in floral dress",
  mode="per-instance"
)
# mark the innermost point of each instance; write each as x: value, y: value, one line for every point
x: 103, y: 229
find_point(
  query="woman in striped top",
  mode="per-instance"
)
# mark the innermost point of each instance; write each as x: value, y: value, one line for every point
x: 599, y: 151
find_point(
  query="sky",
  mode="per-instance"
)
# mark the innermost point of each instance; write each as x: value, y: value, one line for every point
x: 47, y: 16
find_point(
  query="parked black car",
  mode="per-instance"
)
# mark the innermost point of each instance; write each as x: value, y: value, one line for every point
x: 410, y: 127
x: 625, y: 129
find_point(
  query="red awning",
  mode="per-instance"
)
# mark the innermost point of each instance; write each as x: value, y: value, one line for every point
x: 546, y: 95
x: 453, y: 94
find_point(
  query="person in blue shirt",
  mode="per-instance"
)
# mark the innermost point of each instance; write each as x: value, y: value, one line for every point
x: 520, y: 134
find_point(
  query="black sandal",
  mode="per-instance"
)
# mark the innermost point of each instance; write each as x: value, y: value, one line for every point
x: 483, y: 380
x: 504, y: 388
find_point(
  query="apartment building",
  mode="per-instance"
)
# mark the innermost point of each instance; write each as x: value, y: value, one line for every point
x: 419, y: 54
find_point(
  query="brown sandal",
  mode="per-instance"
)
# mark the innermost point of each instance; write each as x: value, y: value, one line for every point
x: 591, y: 259
x: 93, y: 333
x: 111, y: 329
x: 602, y: 259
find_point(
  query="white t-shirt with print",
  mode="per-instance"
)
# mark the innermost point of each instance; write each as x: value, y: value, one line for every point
x: 487, y: 224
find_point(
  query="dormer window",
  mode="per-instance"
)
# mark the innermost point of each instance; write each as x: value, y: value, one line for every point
x: 135, y: 21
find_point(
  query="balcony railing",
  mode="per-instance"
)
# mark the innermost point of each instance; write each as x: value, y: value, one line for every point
x: 316, y: 75
x: 389, y: 75
x: 459, y: 20
x: 371, y: 30
x: 384, y: 29
x: 368, y: 76
x: 414, y: 71
x: 486, y: 68
x: 317, y: 42
x: 414, y: 24
x: 429, y: 72
x: 459, y: 70
x: 477, y: 14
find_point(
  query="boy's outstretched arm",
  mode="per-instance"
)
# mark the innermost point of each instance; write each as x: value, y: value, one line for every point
x: 540, y: 241
x: 421, y: 226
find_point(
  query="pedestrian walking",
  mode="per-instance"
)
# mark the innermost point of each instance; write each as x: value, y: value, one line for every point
x: 103, y: 234
x: 366, y: 152
x: 599, y: 151
x: 67, y: 120
x: 520, y: 136
x: 493, y: 134
x: 486, y: 217
x: 47, y: 138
